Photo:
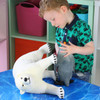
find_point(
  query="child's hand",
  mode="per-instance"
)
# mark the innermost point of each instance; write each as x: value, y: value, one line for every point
x: 68, y: 49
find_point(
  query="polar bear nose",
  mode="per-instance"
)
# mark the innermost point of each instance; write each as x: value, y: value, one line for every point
x: 25, y: 79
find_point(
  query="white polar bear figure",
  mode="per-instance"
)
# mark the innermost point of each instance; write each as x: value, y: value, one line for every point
x: 29, y: 71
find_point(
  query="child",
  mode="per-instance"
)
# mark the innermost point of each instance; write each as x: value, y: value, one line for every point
x: 73, y: 35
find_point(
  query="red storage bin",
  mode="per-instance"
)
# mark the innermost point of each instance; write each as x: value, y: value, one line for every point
x: 28, y: 20
x: 23, y: 46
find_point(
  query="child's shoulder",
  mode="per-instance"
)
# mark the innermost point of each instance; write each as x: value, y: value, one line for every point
x: 81, y: 22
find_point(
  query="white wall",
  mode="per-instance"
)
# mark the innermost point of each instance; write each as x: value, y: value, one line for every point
x: 3, y: 35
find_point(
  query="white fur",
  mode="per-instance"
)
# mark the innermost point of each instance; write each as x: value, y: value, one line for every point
x: 29, y: 70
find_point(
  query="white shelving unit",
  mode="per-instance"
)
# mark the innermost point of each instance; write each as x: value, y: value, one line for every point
x: 96, y: 68
x: 50, y: 37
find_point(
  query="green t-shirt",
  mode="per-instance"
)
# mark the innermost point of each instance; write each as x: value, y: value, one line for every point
x: 78, y: 33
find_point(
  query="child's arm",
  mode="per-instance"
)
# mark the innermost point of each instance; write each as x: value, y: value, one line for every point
x: 72, y: 49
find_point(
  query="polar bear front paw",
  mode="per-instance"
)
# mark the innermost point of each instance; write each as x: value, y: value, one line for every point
x: 54, y: 59
x: 60, y: 92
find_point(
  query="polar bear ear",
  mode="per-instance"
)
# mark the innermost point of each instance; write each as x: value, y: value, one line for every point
x: 22, y: 92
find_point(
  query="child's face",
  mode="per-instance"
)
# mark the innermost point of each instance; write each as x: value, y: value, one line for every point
x: 57, y: 18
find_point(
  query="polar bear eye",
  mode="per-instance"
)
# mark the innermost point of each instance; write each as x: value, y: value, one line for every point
x: 22, y: 85
x: 25, y: 79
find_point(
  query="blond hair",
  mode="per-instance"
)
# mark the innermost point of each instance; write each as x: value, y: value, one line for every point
x: 47, y: 5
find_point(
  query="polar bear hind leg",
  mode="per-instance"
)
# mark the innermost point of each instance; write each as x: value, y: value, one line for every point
x: 45, y: 49
x: 38, y: 54
x: 51, y: 89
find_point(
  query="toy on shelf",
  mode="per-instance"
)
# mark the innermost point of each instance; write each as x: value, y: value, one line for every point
x: 74, y: 6
x: 81, y: 11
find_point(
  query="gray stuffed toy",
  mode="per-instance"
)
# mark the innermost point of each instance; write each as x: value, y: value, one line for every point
x: 64, y: 68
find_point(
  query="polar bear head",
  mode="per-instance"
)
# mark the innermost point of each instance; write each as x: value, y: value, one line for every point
x: 23, y: 82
